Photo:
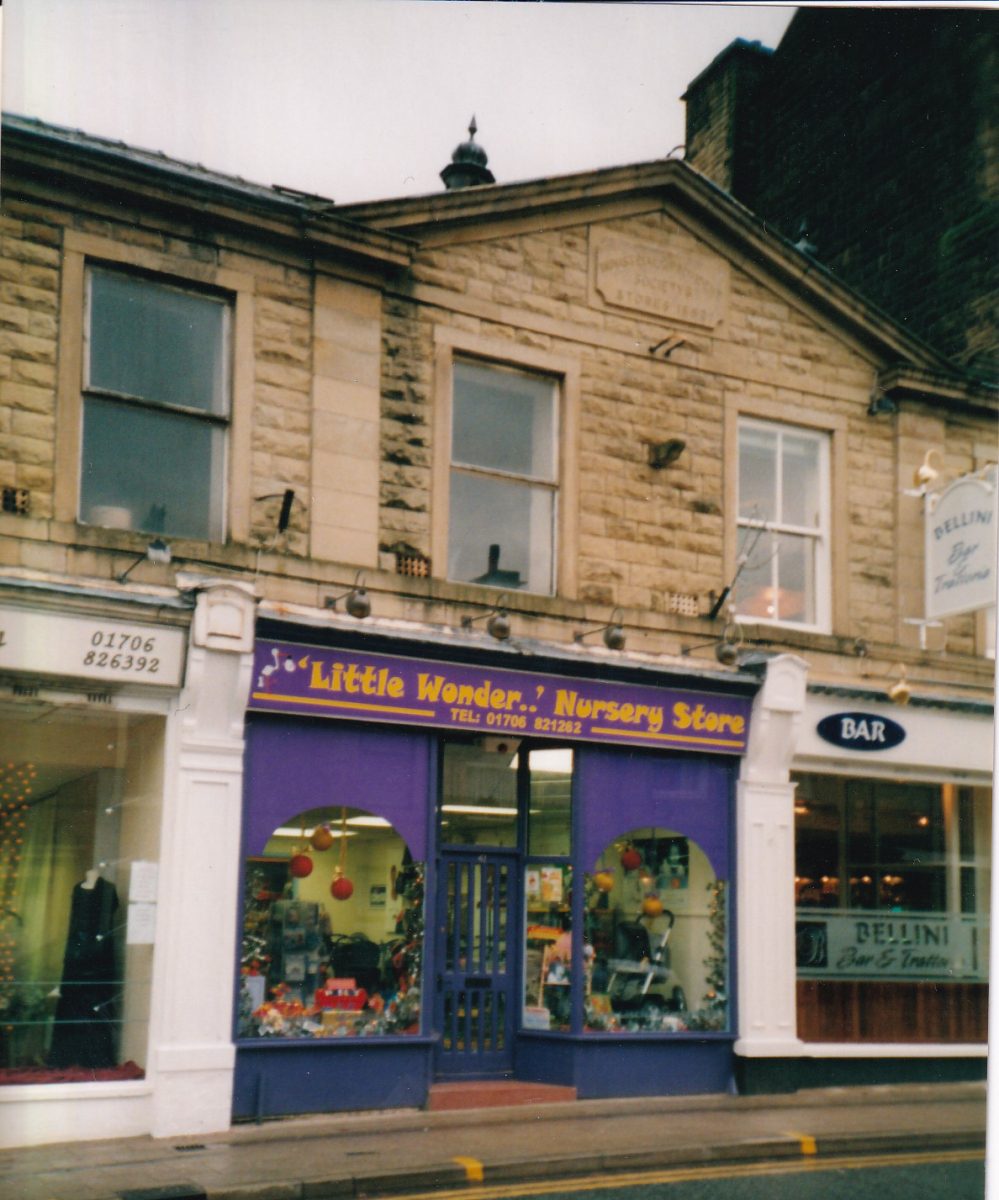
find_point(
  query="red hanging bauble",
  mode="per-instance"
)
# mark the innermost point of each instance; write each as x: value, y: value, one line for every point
x: 300, y: 866
x: 321, y: 838
x: 631, y: 860
x: 341, y: 888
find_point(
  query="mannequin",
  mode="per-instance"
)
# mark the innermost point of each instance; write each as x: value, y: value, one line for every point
x: 84, y: 1032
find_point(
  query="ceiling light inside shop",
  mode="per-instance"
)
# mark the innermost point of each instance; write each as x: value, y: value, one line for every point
x: 557, y: 760
x: 285, y: 831
x: 370, y: 822
x: 477, y: 810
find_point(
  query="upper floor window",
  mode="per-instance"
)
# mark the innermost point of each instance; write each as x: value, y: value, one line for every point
x: 156, y: 404
x: 783, y: 524
x: 504, y: 478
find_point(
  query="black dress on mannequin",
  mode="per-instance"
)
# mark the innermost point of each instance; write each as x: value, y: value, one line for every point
x: 84, y: 1033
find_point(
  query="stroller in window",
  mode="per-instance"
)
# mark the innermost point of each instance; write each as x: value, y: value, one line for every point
x: 640, y: 972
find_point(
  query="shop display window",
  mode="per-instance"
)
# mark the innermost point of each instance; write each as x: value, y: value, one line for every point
x: 80, y: 803
x: 548, y: 946
x: 655, y: 950
x: 332, y: 940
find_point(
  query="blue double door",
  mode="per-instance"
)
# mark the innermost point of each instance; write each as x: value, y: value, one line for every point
x: 477, y: 913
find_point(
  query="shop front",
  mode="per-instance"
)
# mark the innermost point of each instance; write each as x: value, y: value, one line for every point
x: 892, y: 882
x: 454, y: 870
x: 120, y: 754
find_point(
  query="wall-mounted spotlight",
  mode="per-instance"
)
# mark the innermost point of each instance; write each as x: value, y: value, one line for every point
x: 665, y: 454
x: 726, y: 647
x: 497, y: 622
x: 158, y: 551
x: 900, y: 692
x: 614, y: 638
x: 358, y: 602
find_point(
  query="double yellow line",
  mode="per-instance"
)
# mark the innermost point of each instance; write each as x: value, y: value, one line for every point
x: 688, y: 1174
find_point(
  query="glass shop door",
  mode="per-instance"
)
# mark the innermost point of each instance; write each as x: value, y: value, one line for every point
x: 477, y: 896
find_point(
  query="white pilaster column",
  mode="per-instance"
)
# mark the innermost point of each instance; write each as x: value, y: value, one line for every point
x: 765, y: 856
x: 193, y: 1053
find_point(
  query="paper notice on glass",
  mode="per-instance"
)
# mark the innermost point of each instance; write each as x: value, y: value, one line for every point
x: 141, y: 928
x: 144, y: 882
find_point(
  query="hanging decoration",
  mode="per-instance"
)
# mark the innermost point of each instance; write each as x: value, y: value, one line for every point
x: 300, y: 866
x: 631, y: 859
x: 341, y: 888
x: 604, y: 881
x: 322, y: 838
x: 652, y: 906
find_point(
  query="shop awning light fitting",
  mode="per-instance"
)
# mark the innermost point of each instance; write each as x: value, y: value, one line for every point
x: 726, y: 647
x: 497, y: 622
x: 158, y: 551
x: 614, y: 638
x: 357, y: 601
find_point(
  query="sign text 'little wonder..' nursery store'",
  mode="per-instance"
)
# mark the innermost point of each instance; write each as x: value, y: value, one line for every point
x: 374, y: 687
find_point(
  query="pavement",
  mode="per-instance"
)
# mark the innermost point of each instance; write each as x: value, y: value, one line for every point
x: 385, y: 1153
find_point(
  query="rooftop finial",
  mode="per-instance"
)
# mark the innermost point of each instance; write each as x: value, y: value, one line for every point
x: 467, y: 167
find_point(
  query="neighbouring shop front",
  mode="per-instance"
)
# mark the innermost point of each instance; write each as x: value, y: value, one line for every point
x: 82, y: 731
x: 893, y: 819
x: 461, y: 871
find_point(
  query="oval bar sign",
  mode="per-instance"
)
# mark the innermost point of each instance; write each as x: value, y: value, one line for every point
x: 860, y: 731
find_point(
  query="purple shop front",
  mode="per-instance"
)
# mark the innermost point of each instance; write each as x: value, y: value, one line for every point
x: 570, y: 840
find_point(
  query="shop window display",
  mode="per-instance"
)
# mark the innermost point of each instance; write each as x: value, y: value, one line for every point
x: 332, y: 930
x: 548, y: 946
x: 80, y: 797
x: 655, y: 947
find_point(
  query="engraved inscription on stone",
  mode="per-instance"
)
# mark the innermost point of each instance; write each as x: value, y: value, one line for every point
x: 677, y: 281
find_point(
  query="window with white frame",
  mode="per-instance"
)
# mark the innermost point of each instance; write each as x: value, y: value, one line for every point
x: 504, y: 478
x: 783, y: 534
x: 156, y: 405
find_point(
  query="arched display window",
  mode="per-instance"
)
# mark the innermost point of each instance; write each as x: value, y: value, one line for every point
x: 332, y: 936
x: 655, y: 938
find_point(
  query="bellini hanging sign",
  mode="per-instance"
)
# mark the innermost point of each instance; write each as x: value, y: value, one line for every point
x: 961, y: 547
x: 374, y: 687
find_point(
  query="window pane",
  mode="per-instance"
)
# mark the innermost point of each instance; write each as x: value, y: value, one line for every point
x: 800, y: 481
x: 157, y: 342
x: 818, y: 816
x: 757, y: 473
x: 503, y: 420
x: 549, y: 828
x: 754, y: 591
x: 795, y: 599
x: 154, y: 471
x: 501, y: 533
x: 548, y: 947
x: 79, y: 804
x: 478, y: 796
x: 332, y: 939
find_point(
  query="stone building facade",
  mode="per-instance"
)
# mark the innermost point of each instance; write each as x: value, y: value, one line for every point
x: 649, y: 334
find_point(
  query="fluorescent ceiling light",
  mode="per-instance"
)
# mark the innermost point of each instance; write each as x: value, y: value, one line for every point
x: 284, y: 831
x: 557, y: 760
x: 479, y: 810
x: 370, y: 822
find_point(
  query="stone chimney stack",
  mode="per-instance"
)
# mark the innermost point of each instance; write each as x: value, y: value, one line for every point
x: 721, y: 104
